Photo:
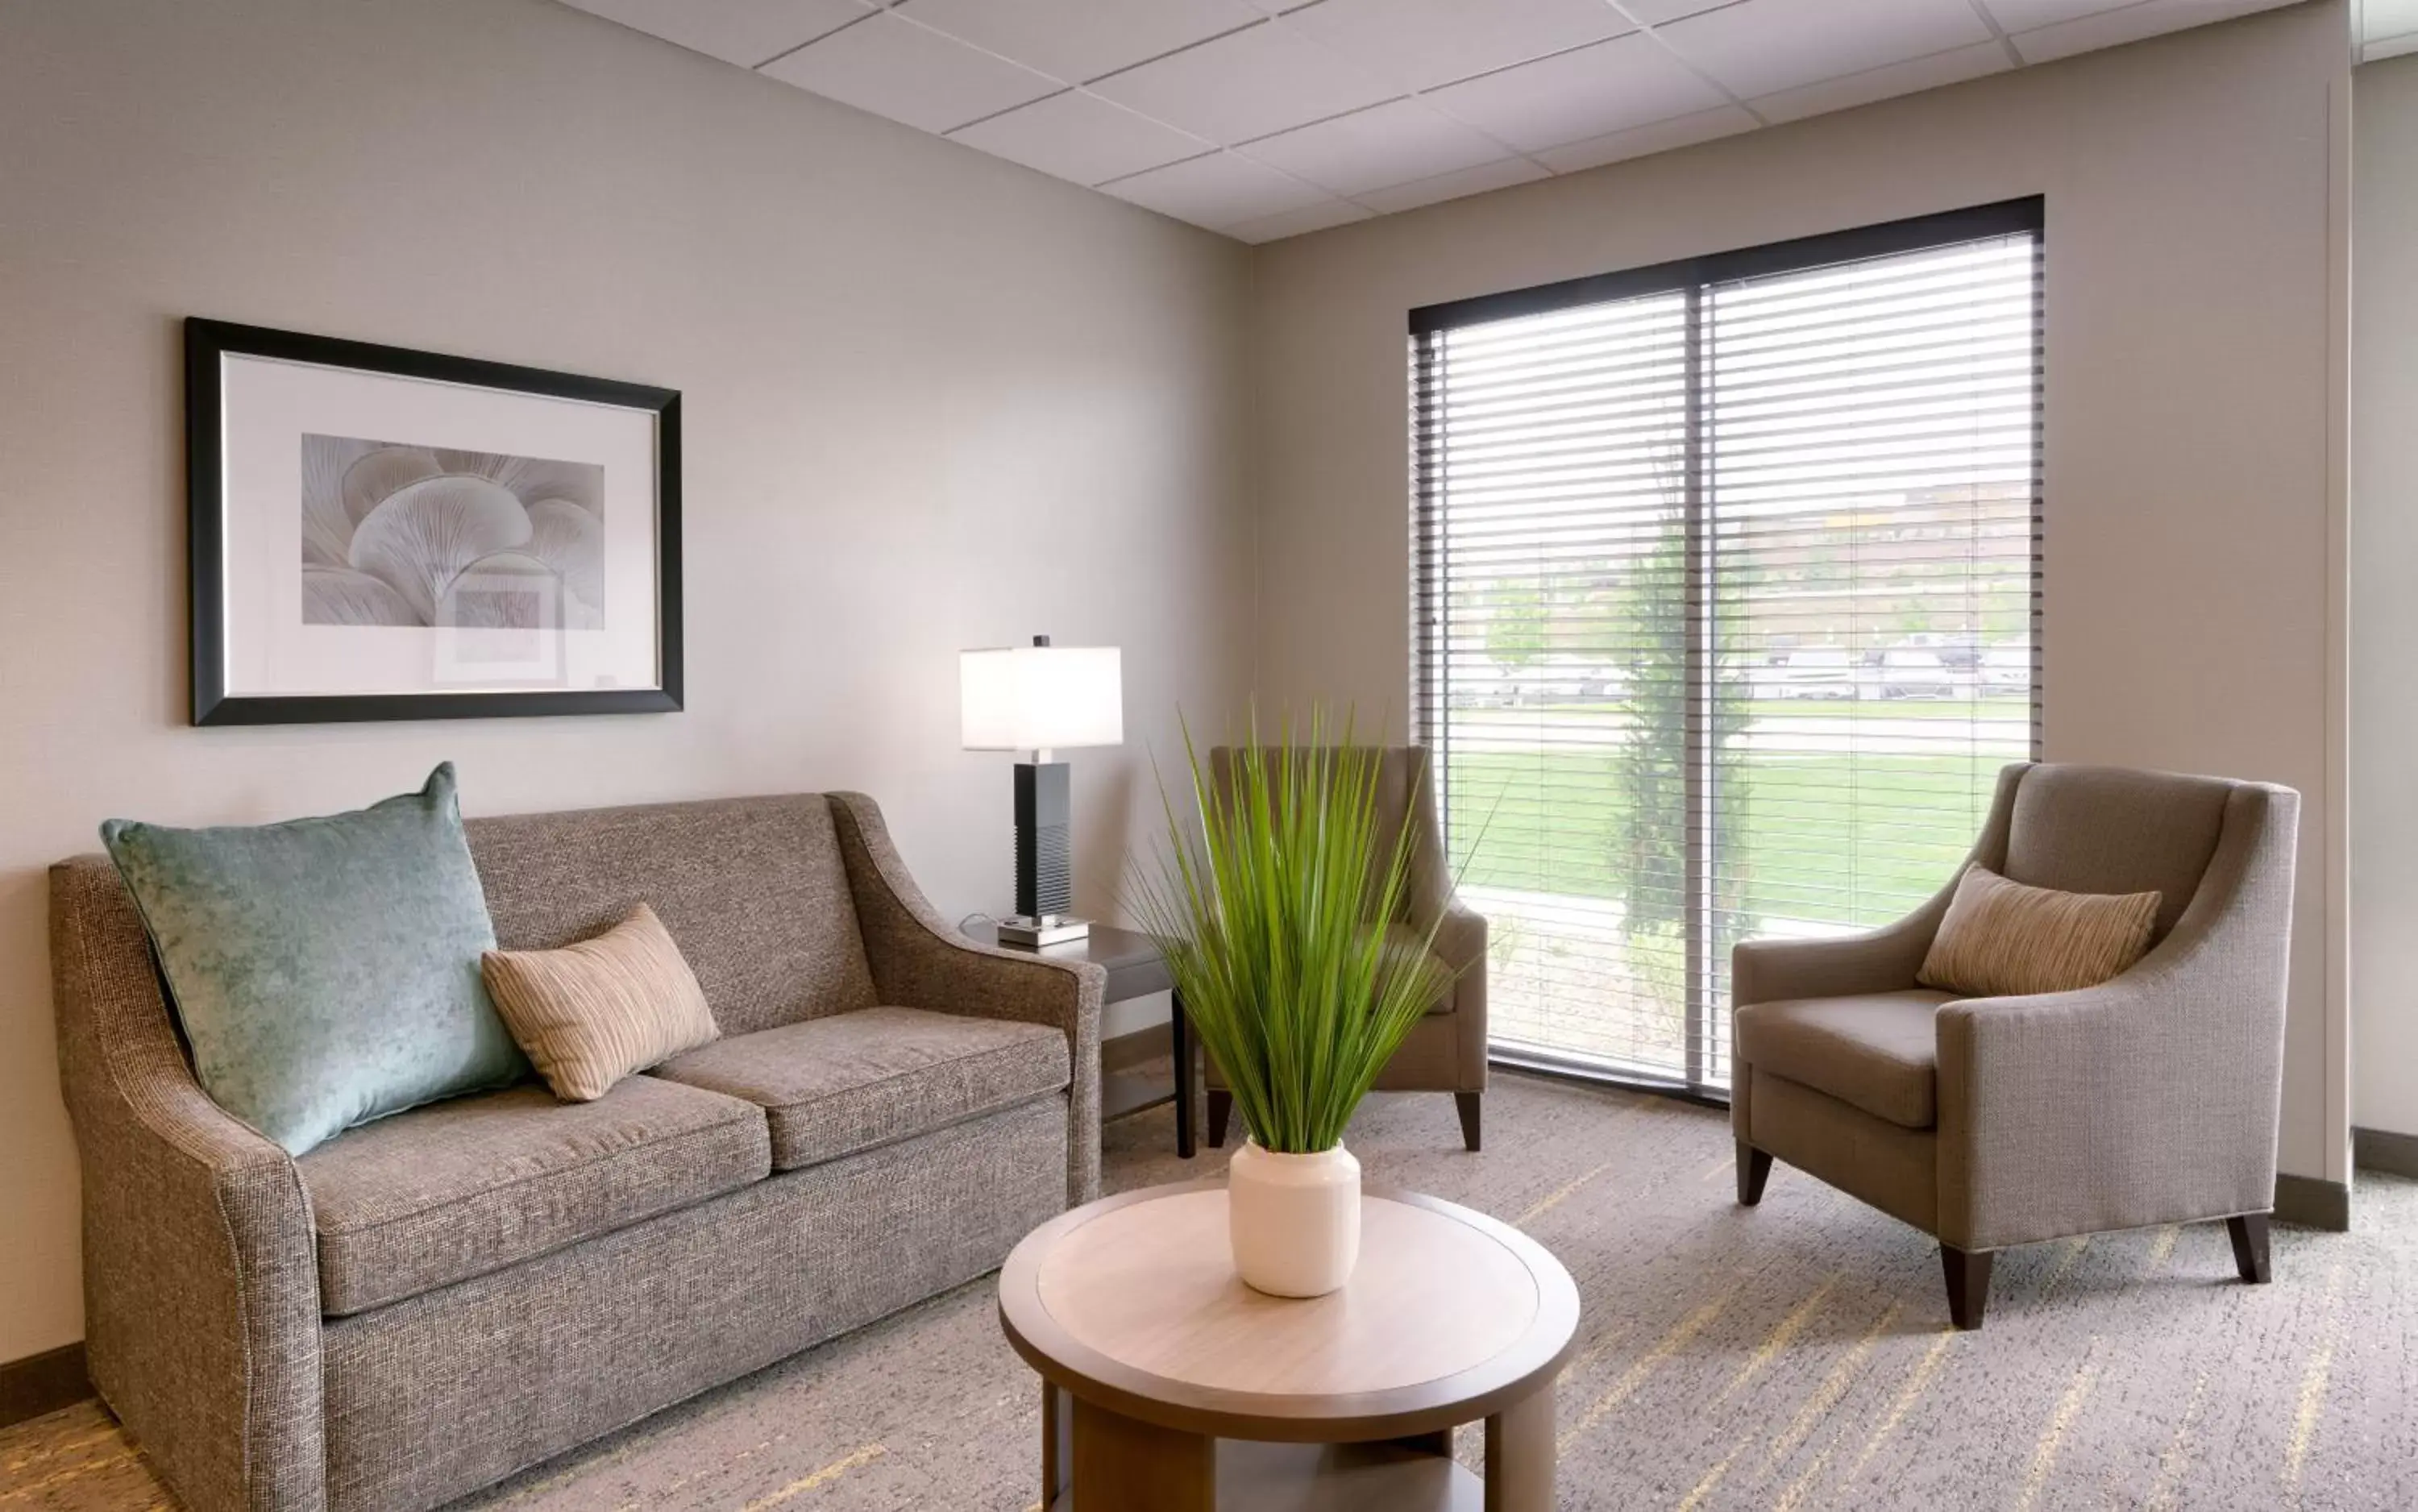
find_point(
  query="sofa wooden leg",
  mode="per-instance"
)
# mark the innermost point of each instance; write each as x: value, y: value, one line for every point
x: 1969, y: 1283
x: 2250, y: 1255
x: 1467, y: 1104
x: 1754, y: 1169
x: 1221, y: 1107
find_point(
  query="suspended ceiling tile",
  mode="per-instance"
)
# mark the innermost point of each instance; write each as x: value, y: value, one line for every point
x: 1249, y: 84
x: 1609, y: 87
x: 898, y: 69
x: 1081, y: 137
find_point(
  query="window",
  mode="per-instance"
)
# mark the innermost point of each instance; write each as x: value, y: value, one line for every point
x: 1726, y: 603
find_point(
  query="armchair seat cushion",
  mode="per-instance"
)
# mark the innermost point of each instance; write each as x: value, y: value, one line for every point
x: 837, y: 1085
x: 1876, y: 1051
x: 459, y: 1188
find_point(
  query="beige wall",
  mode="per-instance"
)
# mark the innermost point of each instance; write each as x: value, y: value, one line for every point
x: 2385, y: 610
x: 2193, y: 426
x: 931, y: 401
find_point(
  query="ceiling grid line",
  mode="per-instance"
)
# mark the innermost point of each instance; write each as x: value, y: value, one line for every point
x: 1265, y: 118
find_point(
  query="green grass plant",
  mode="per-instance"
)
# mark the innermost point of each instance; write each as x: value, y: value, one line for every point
x: 1268, y: 906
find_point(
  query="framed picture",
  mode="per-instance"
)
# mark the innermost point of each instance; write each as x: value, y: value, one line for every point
x: 379, y: 533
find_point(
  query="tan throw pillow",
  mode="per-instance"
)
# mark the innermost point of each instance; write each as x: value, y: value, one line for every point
x: 2003, y: 940
x: 590, y: 1014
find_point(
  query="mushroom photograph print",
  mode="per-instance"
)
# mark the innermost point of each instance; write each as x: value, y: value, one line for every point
x: 379, y: 533
x: 395, y: 534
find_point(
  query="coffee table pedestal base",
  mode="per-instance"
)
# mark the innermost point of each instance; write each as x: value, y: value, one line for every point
x: 1097, y: 1460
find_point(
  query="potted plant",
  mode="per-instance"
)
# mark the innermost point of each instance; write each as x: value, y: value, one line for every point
x: 1270, y: 909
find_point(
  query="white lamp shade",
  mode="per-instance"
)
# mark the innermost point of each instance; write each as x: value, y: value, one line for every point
x: 1041, y: 697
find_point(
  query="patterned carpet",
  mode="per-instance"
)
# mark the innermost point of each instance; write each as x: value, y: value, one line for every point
x: 1793, y: 1356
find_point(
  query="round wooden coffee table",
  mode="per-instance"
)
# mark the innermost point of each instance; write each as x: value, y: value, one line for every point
x: 1169, y: 1385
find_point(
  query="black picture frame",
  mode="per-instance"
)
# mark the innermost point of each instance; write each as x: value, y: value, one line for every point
x: 208, y: 342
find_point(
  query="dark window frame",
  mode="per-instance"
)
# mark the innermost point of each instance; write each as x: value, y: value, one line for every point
x: 1429, y: 553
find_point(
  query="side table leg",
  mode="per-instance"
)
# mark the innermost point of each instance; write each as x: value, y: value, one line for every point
x: 1179, y: 1039
x: 1520, y: 1455
x: 1122, y: 1462
x: 1057, y: 1443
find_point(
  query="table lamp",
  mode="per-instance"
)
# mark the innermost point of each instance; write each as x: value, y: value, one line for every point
x: 1042, y: 698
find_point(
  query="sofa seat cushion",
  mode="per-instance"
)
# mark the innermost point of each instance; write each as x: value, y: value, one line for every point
x: 1877, y: 1051
x: 459, y: 1188
x: 835, y: 1085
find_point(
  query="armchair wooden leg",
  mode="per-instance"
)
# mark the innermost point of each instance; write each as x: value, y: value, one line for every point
x: 1754, y: 1169
x: 1220, y: 1109
x: 2250, y: 1255
x: 1969, y: 1283
x: 1467, y: 1102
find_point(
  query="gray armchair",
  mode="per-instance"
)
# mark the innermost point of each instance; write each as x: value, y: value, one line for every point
x: 1446, y: 1050
x: 1996, y: 1122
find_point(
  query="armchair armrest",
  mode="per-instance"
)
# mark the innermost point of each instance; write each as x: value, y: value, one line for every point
x: 1459, y: 942
x: 1878, y: 960
x: 2152, y: 1098
x: 201, y: 1266
x: 920, y: 961
x: 1886, y: 960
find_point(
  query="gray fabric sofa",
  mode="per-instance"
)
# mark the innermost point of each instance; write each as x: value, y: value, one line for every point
x: 425, y: 1305
x: 1995, y: 1122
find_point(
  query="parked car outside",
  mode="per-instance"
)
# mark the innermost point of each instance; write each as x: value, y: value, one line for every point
x: 2007, y: 669
x: 1910, y: 672
x: 1817, y: 672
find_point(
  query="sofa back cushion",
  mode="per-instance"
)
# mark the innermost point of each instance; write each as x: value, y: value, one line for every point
x: 2081, y: 829
x: 754, y: 891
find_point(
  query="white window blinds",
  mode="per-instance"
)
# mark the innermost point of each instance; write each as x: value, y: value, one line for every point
x: 1726, y: 600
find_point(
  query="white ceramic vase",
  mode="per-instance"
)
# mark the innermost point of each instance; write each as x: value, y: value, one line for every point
x: 1295, y: 1219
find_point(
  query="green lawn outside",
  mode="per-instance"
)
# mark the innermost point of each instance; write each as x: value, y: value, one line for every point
x: 1594, y: 712
x: 1845, y: 839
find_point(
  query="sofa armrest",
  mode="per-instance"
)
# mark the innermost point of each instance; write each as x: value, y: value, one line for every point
x: 2152, y: 1098
x: 201, y: 1268
x: 920, y: 961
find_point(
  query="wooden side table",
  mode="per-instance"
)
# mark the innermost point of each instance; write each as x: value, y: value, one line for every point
x: 1136, y: 970
x: 1166, y: 1383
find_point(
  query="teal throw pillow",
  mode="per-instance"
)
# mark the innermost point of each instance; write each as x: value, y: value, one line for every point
x: 325, y: 970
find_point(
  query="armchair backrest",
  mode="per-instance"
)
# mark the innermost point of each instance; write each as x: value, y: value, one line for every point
x: 2083, y: 829
x: 1403, y: 799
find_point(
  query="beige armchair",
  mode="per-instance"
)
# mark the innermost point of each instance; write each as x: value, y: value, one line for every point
x: 1446, y: 1050
x: 1995, y: 1121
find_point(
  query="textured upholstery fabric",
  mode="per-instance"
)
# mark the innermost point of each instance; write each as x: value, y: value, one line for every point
x: 2001, y: 938
x: 1875, y: 1052
x: 202, y: 1322
x: 594, y: 1012
x: 1429, y: 1058
x: 2109, y: 830
x: 1893, y: 1167
x: 833, y: 1086
x: 1426, y: 1060
x: 201, y: 1298
x: 1881, y: 961
x: 920, y: 961
x: 459, y: 1188
x: 753, y: 888
x: 2151, y: 1098
x: 325, y: 970
x: 599, y: 1334
x: 1404, y: 943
